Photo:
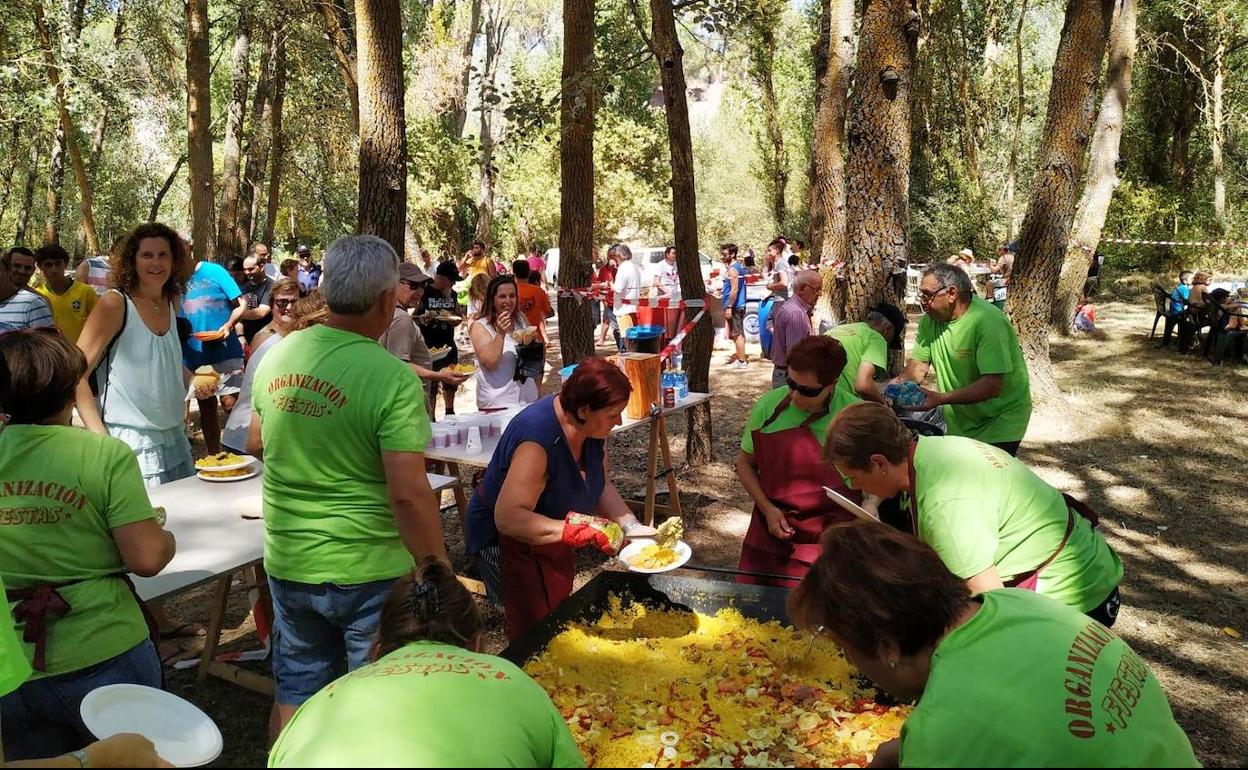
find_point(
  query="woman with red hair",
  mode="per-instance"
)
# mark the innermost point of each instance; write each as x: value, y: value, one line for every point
x: 547, y: 492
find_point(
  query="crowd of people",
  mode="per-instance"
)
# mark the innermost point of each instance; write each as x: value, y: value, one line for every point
x: 968, y: 584
x: 1193, y: 307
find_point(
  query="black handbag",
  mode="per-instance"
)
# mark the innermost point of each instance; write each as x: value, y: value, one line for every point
x: 531, y: 361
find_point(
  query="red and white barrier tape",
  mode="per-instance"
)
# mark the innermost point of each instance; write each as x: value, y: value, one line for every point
x: 1147, y: 242
x: 675, y: 344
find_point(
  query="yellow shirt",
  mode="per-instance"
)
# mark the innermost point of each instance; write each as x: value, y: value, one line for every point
x: 479, y: 265
x: 70, y: 310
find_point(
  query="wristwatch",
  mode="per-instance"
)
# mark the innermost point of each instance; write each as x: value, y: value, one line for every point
x: 81, y: 756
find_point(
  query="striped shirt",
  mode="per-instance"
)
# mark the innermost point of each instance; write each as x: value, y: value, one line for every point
x: 792, y: 325
x: 24, y: 310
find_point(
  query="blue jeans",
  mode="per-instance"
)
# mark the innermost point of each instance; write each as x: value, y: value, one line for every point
x: 320, y: 632
x: 41, y: 719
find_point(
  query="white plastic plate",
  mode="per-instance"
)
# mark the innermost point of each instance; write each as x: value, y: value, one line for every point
x: 255, y: 472
x: 183, y: 734
x: 683, y: 552
x: 246, y: 460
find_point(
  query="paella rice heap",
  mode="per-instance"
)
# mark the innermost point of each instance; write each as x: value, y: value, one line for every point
x: 660, y: 688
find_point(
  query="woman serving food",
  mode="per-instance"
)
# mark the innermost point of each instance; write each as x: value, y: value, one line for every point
x: 547, y: 492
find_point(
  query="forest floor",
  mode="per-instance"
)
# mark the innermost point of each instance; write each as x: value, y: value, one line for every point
x: 1155, y: 441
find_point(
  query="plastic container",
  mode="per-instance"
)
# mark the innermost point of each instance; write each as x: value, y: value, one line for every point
x: 566, y: 372
x: 644, y: 339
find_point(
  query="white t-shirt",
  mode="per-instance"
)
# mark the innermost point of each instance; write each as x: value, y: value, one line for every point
x: 783, y: 271
x: 627, y: 287
x: 669, y: 279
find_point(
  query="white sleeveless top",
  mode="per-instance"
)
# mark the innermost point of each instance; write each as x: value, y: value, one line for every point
x: 497, y: 387
x: 141, y: 378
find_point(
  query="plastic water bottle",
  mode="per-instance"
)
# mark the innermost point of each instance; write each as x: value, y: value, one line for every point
x: 905, y: 393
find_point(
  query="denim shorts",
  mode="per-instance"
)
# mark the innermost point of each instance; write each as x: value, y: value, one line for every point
x: 41, y: 719
x: 321, y: 631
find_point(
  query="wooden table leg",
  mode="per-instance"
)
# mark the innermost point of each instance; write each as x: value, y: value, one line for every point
x: 461, y: 498
x: 673, y: 489
x: 216, y: 616
x: 652, y: 467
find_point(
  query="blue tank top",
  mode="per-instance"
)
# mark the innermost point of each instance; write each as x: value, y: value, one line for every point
x: 565, y: 489
x: 734, y: 272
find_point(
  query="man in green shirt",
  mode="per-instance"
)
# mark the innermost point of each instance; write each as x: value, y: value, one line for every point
x: 343, y: 429
x: 866, y: 351
x: 983, y: 381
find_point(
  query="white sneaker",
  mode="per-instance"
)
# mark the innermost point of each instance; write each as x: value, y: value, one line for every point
x: 740, y: 365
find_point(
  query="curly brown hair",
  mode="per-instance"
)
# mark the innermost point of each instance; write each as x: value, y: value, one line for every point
x: 123, y: 259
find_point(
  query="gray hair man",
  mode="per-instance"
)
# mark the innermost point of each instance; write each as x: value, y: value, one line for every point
x: 980, y: 372
x: 791, y: 322
x: 348, y: 507
x: 627, y: 288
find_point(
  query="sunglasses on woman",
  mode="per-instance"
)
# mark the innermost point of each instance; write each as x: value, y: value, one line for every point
x: 284, y: 302
x: 805, y: 390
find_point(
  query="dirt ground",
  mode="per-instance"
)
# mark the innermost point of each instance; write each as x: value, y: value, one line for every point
x: 1155, y: 441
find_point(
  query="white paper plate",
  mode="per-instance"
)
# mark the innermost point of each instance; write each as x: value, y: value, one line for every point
x: 244, y: 477
x: 247, y: 460
x: 683, y: 552
x: 183, y: 734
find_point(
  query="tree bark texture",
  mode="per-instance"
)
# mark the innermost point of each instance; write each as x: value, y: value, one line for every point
x: 341, y: 36
x: 276, y: 137
x: 85, y: 200
x: 1217, y: 120
x: 231, y: 240
x: 827, y: 189
x: 55, y: 190
x: 257, y: 152
x: 578, y: 105
x: 762, y: 70
x: 14, y: 154
x: 199, y: 131
x: 164, y: 189
x: 878, y: 184
x: 28, y: 193
x: 101, y: 125
x: 1011, y: 176
x: 1059, y: 168
x: 495, y: 33
x: 457, y: 116
x: 383, y: 141
x: 1102, y: 176
x: 697, y: 346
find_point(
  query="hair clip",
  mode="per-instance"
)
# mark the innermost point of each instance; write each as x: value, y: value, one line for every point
x: 427, y: 592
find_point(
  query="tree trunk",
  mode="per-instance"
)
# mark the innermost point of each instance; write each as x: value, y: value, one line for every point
x: 762, y: 71
x: 67, y: 129
x: 276, y: 137
x: 257, y: 152
x: 101, y: 125
x: 1185, y: 124
x: 1011, y: 175
x: 827, y: 189
x: 28, y: 193
x: 164, y: 189
x: 578, y: 105
x: 199, y: 130
x: 231, y: 240
x: 339, y: 32
x: 992, y: 39
x: 12, y: 150
x: 878, y: 185
x: 383, y: 141
x: 495, y: 31
x: 970, y: 105
x: 1218, y: 124
x: 1059, y: 168
x: 56, y: 182
x: 457, y: 116
x: 1102, y: 177
x: 697, y: 346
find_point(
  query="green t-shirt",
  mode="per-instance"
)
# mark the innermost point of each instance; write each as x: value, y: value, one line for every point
x: 330, y: 402
x: 791, y: 417
x: 979, y: 507
x: 861, y: 343
x: 981, y: 342
x: 14, y: 668
x: 1027, y: 682
x: 57, y: 519
x: 429, y: 705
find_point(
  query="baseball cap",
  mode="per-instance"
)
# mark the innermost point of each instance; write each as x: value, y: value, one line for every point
x: 303, y: 250
x: 411, y: 273
x: 448, y: 271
